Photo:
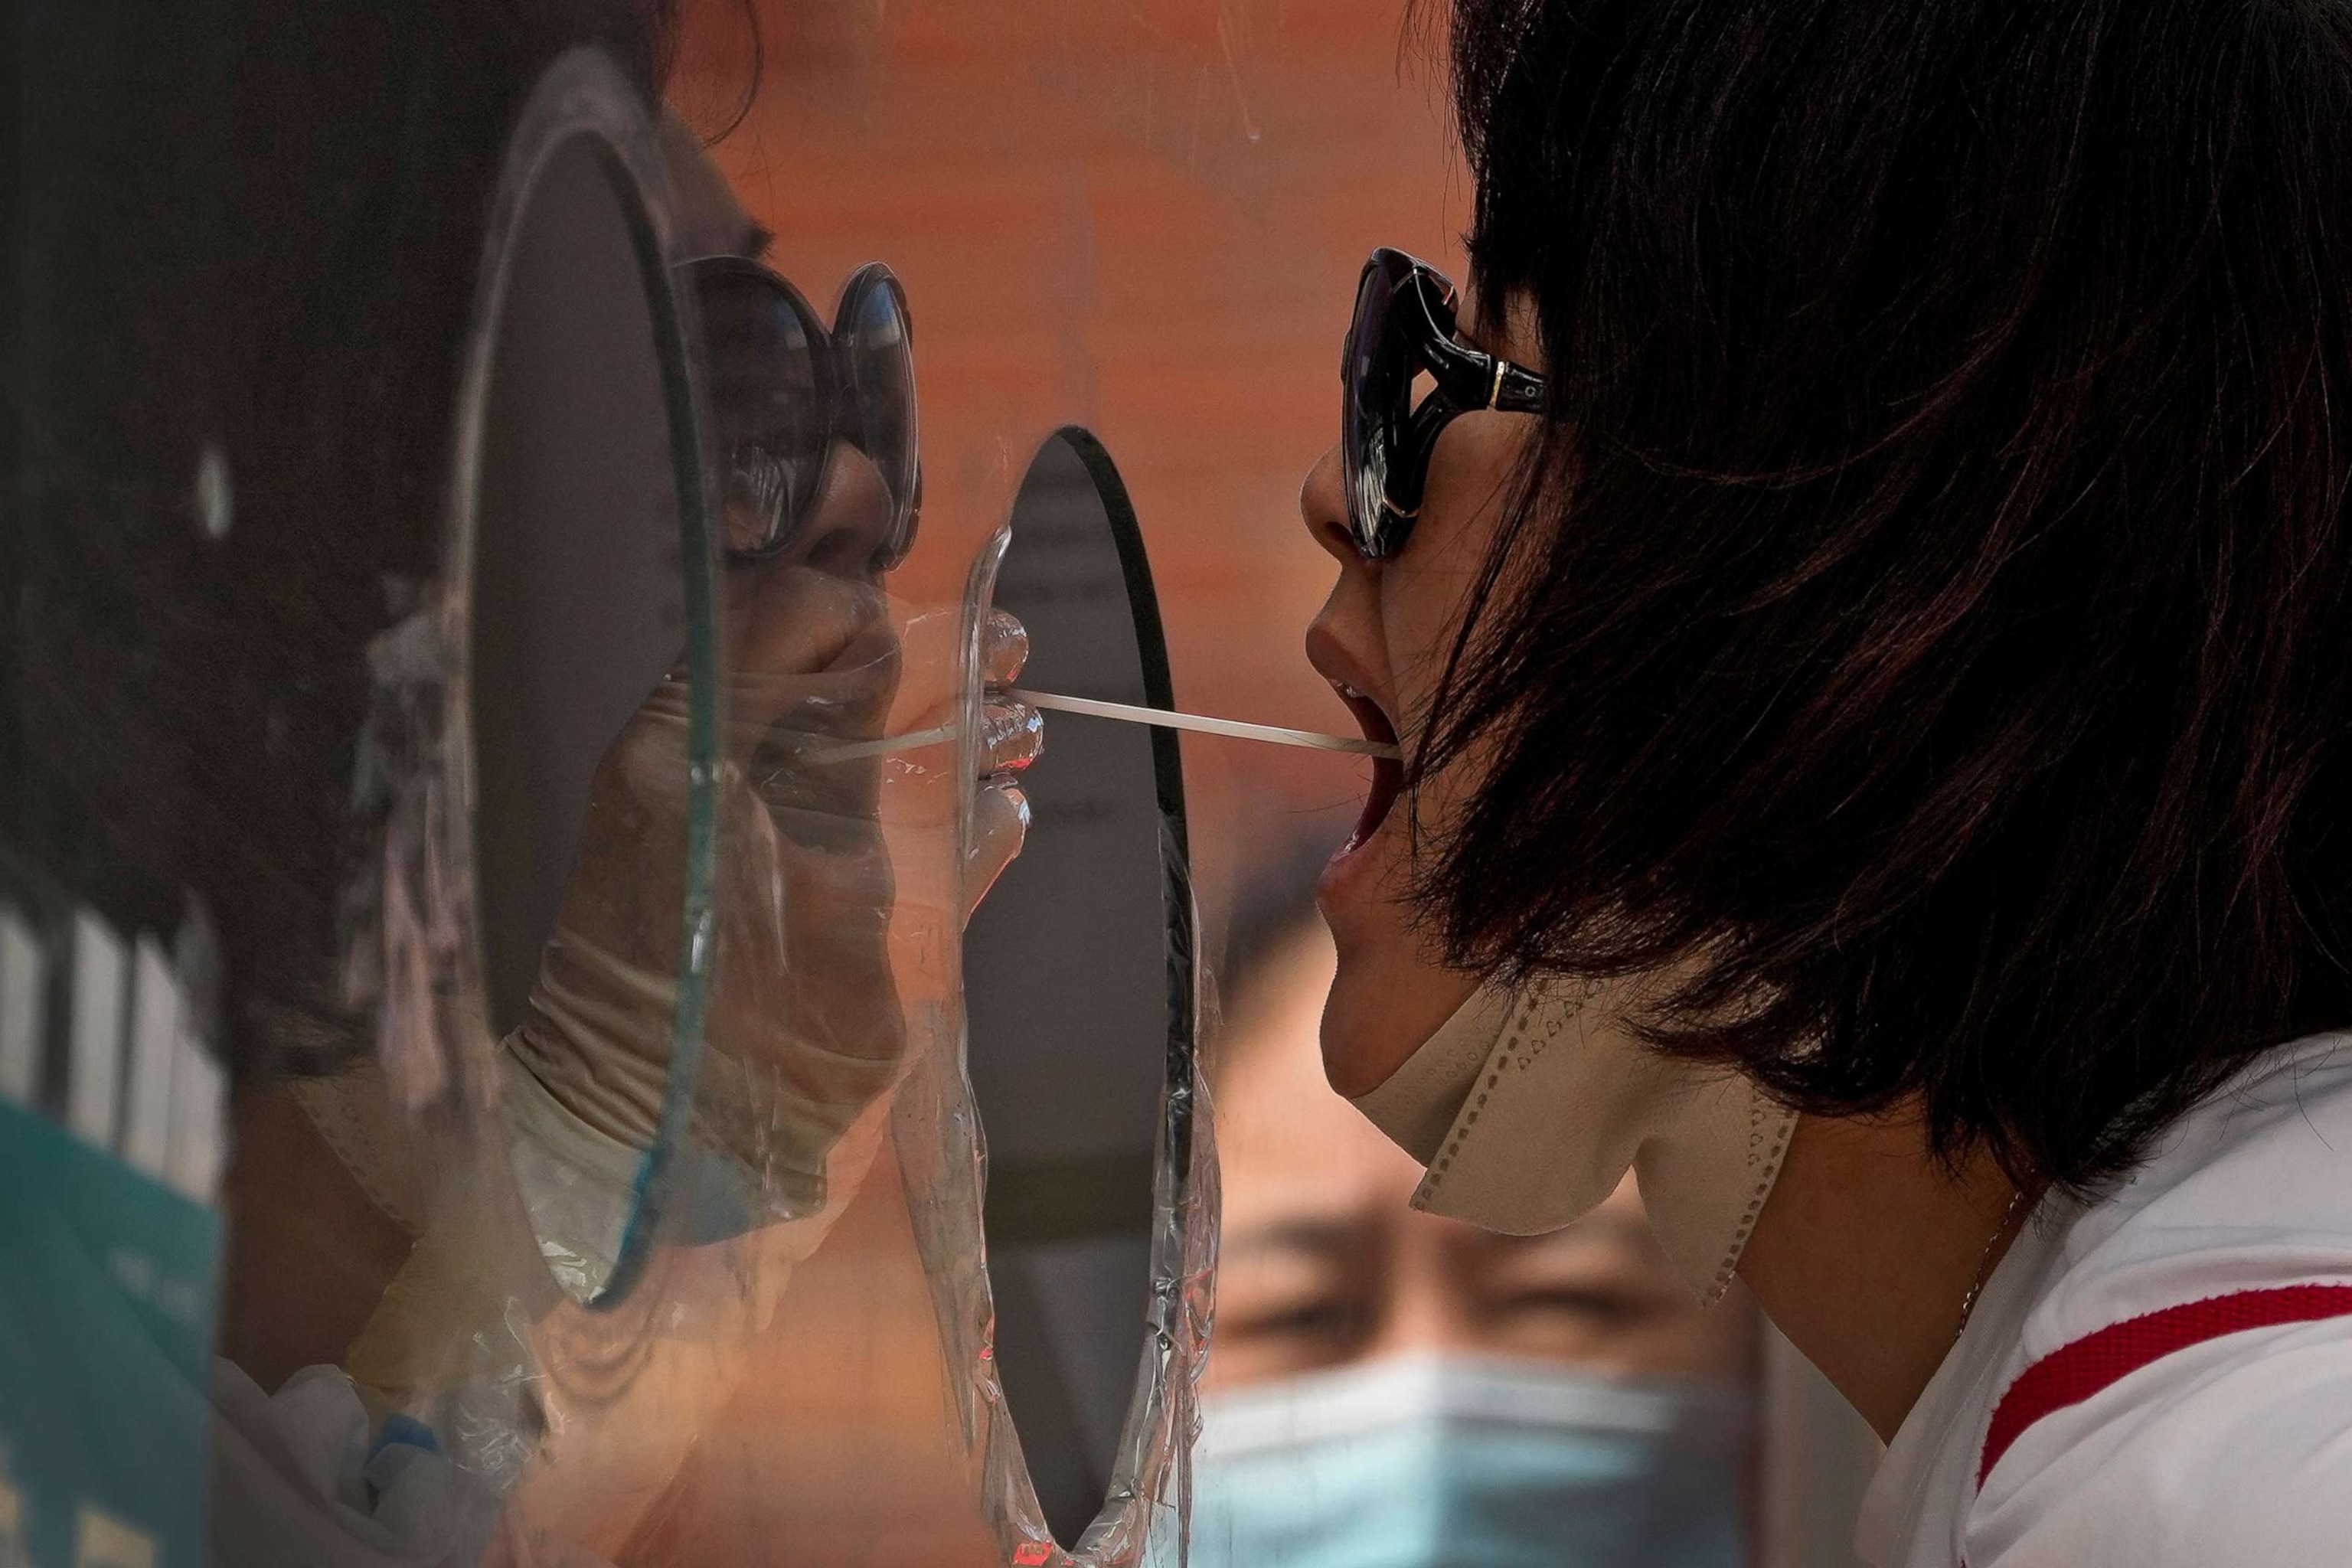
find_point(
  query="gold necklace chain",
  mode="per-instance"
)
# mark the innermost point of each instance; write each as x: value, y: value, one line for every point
x: 1984, y: 1260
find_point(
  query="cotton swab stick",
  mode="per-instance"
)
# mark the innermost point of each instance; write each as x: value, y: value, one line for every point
x: 1092, y: 708
x: 1233, y: 729
x: 883, y: 746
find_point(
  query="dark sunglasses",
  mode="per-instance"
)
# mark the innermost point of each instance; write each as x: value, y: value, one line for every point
x: 784, y: 388
x: 1405, y: 326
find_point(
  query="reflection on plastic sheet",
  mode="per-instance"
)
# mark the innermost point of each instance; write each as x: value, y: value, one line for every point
x: 660, y: 952
x: 620, y: 1198
x: 644, y: 935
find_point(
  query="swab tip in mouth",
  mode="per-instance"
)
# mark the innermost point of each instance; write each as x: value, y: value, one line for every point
x: 1200, y: 723
x: 1388, y: 768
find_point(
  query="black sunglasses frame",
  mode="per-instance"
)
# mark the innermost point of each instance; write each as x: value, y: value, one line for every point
x: 1405, y: 324
x: 834, y: 368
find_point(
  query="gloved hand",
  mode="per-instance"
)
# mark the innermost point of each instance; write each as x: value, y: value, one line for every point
x: 841, y: 878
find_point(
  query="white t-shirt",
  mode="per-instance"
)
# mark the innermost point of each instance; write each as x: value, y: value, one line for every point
x: 2233, y: 1452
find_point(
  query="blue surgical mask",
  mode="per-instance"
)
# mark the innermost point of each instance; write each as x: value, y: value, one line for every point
x: 1457, y: 1462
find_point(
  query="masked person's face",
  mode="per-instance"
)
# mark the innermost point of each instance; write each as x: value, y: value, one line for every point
x: 1392, y: 1387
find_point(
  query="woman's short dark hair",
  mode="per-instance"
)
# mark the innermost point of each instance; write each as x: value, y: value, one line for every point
x: 1923, y: 625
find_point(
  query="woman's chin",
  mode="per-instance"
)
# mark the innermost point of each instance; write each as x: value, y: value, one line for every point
x: 1387, y: 999
x: 1351, y: 1058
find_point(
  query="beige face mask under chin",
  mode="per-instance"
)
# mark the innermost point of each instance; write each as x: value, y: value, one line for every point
x: 1529, y: 1109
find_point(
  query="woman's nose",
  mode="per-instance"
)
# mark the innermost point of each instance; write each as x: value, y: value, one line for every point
x: 1323, y: 507
x: 851, y: 519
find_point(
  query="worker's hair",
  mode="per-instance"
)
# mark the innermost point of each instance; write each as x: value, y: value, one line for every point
x: 1923, y: 624
x: 253, y: 236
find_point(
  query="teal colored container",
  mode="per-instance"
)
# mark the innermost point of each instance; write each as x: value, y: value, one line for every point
x: 108, y: 1286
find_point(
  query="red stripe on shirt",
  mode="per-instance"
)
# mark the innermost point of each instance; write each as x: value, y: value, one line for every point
x: 2073, y: 1372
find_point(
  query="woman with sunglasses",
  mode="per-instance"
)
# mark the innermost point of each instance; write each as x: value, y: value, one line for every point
x: 1861, y: 579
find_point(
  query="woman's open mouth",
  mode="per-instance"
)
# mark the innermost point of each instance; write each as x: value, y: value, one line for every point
x: 1388, y: 776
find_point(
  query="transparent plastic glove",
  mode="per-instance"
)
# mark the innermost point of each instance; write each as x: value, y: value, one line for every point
x: 836, y: 853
